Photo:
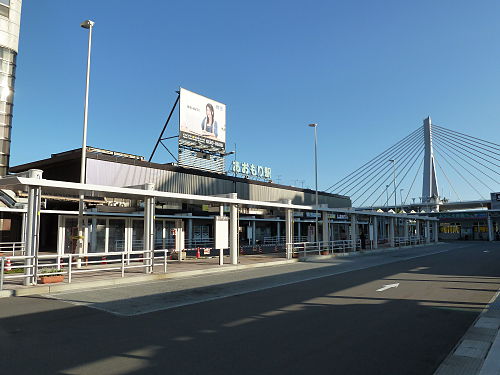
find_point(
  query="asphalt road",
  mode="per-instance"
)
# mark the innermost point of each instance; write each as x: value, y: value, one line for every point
x: 318, y: 318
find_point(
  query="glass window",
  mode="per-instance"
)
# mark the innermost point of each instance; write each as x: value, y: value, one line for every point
x: 100, y: 237
x: 70, y: 232
x: 116, y: 235
x: 137, y: 234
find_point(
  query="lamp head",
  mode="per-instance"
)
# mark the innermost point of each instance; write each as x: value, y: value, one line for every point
x: 87, y: 24
x: 313, y: 125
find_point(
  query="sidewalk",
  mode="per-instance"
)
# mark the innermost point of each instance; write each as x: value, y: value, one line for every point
x: 175, y: 269
x: 478, y: 352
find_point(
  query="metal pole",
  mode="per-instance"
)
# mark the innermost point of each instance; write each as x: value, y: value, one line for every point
x: 387, y: 195
x: 315, y: 126
x: 401, y: 198
x: 87, y: 25
x: 394, y: 181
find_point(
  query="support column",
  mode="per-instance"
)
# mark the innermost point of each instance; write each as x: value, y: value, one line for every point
x: 436, y: 231
x: 326, y: 231
x: 233, y: 235
x: 392, y: 243
x: 190, y: 232
x: 491, y: 235
x: 299, y: 231
x: 427, y: 232
x: 32, y: 228
x: 278, y: 230
x: 406, y: 229
x: 149, y: 229
x: 253, y: 232
x: 417, y: 230
x: 289, y: 231
x: 354, y: 231
x: 375, y: 232
x: 179, y: 238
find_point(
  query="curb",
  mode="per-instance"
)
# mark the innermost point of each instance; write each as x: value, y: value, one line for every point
x: 48, y: 289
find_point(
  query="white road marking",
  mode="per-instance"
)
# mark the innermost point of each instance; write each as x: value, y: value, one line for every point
x: 389, y: 286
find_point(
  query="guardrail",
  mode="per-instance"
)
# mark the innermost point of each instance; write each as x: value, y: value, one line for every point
x: 272, y: 240
x: 12, y: 247
x: 66, y: 265
x: 324, y: 247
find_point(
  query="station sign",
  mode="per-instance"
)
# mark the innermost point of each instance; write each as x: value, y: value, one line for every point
x: 251, y: 170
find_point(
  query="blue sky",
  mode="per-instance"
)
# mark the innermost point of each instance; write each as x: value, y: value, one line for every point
x: 367, y: 72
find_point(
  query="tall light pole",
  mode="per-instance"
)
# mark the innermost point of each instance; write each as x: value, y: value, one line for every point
x: 387, y: 195
x: 315, y: 126
x: 401, y: 198
x: 88, y: 24
x: 394, y: 180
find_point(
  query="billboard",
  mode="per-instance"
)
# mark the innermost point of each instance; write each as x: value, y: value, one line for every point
x: 202, y: 122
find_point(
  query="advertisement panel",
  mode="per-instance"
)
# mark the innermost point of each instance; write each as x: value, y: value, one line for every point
x: 202, y: 121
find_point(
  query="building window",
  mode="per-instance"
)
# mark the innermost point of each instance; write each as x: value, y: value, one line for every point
x: 4, y: 8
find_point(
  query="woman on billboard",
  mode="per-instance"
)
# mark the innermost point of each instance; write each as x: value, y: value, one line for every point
x: 209, y: 124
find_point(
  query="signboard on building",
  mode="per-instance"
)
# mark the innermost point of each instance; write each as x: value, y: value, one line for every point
x: 202, y: 121
x: 251, y: 170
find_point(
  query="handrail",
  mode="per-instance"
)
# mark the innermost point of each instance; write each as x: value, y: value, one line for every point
x: 64, y: 264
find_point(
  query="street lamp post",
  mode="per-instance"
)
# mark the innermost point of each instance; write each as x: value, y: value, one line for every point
x: 394, y: 181
x: 401, y: 198
x: 88, y: 24
x: 315, y: 126
x: 387, y: 195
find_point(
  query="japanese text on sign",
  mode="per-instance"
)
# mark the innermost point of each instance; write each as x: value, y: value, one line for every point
x: 251, y: 170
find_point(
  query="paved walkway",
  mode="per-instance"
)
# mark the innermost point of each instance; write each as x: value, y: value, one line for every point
x: 101, y: 275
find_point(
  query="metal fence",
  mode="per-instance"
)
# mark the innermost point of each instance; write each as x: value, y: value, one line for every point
x: 12, y: 248
x: 31, y: 268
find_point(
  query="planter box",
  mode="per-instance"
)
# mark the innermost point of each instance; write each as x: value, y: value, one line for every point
x: 51, y: 279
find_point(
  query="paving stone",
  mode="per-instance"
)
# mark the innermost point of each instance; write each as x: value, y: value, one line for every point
x: 484, y: 322
x: 473, y: 349
x: 480, y: 334
x: 457, y: 365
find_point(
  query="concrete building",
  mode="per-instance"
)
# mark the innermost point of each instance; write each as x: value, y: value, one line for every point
x: 10, y: 20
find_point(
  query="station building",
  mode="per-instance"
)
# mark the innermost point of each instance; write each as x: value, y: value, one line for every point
x: 117, y: 224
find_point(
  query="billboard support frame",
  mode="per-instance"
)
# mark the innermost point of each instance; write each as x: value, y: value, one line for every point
x: 160, y: 139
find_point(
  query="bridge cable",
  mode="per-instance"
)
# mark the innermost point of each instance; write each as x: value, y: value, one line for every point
x: 461, y: 139
x: 409, y: 156
x: 388, y: 154
x: 473, y: 175
x: 397, y: 156
x: 375, y: 159
x: 467, y: 154
x: 458, y: 172
x: 414, y: 178
x: 449, y: 182
x: 470, y: 136
x: 415, y: 156
x: 396, y: 153
x: 451, y: 150
x: 458, y: 144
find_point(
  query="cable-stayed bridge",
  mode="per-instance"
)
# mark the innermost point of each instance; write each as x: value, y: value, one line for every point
x: 405, y: 176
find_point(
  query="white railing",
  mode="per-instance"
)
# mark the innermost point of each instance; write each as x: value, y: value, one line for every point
x: 276, y: 240
x: 55, y: 264
x: 12, y: 248
x: 199, y: 242
x: 324, y: 247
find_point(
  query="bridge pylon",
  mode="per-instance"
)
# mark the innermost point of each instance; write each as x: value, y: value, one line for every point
x: 430, y: 191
